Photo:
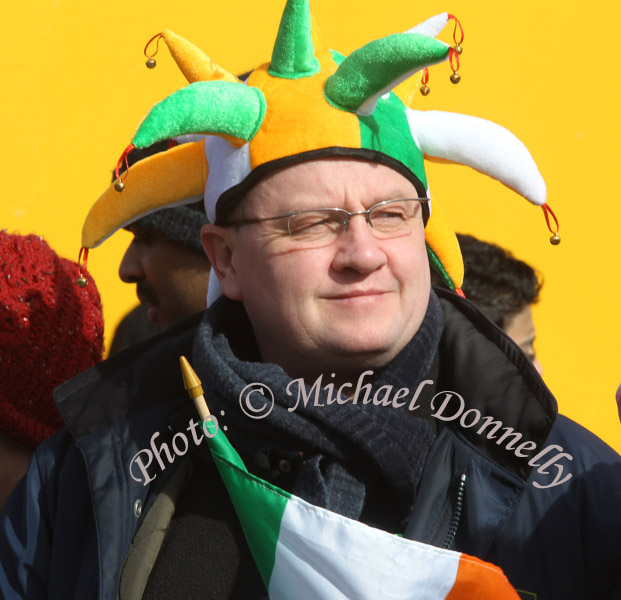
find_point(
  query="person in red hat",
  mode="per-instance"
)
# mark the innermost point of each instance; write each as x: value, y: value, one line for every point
x: 50, y: 330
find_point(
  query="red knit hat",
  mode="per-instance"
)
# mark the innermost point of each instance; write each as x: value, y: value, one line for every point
x: 50, y: 330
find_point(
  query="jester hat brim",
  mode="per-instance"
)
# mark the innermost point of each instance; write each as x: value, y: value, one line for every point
x: 171, y: 178
x: 309, y: 103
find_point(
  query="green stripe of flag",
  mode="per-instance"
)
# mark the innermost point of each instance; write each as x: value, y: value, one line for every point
x: 259, y: 504
x: 304, y: 551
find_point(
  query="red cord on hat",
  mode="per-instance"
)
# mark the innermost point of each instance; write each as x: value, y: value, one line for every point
x: 555, y: 240
x: 424, y: 90
x: 119, y: 186
x: 150, y: 60
x: 83, y: 252
x: 456, y: 50
x: 454, y: 58
x: 461, y: 30
x: 81, y: 280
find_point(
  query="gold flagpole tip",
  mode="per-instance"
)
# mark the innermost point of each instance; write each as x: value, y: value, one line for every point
x: 194, y: 387
x: 191, y: 382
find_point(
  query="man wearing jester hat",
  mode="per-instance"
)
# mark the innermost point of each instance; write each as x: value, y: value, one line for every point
x: 320, y: 237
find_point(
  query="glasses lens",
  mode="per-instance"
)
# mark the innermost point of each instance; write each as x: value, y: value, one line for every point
x: 316, y: 225
x: 393, y: 217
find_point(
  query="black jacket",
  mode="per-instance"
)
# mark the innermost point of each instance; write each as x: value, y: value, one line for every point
x: 66, y: 531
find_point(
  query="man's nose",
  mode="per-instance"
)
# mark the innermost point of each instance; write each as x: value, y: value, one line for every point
x: 357, y: 248
x: 130, y: 269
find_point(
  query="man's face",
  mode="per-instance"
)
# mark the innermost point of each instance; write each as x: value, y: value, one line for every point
x: 171, y: 279
x: 351, y: 304
x: 521, y: 329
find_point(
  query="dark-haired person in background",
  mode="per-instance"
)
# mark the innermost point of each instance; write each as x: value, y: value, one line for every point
x: 503, y: 288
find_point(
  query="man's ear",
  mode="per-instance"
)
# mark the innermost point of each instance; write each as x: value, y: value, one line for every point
x: 219, y: 247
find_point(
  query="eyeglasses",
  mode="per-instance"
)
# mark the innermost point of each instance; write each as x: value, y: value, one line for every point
x: 391, y: 218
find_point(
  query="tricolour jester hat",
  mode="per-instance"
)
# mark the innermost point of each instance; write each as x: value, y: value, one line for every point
x: 310, y: 103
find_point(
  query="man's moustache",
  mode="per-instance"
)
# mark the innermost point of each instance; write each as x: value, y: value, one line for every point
x: 146, y: 294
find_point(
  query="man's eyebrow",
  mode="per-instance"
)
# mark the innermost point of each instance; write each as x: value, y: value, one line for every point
x: 396, y: 194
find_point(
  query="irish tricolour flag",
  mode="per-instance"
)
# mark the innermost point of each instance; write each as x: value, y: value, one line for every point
x: 304, y: 551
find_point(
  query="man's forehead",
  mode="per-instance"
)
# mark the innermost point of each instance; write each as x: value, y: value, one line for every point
x: 134, y: 228
x: 139, y: 229
x: 332, y: 179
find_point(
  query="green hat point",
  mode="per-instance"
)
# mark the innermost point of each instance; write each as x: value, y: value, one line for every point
x: 379, y: 66
x: 293, y: 56
x: 215, y: 107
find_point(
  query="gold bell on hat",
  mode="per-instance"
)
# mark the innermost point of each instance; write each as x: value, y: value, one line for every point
x: 555, y: 240
x: 81, y: 280
x: 150, y: 62
x: 424, y: 88
x: 454, y: 53
x: 119, y: 186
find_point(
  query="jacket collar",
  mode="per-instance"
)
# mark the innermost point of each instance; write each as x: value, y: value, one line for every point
x: 494, y: 377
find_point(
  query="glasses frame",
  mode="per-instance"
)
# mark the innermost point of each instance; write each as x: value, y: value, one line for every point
x: 424, y: 203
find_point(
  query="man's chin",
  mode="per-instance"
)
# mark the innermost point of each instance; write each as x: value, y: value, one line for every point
x: 363, y: 353
x: 155, y: 316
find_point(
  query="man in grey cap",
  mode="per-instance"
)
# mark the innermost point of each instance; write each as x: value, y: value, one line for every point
x: 167, y: 263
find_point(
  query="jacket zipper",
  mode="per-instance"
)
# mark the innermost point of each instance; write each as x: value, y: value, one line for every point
x: 450, y: 536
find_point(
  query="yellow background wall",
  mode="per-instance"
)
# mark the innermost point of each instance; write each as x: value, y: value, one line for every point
x: 74, y: 87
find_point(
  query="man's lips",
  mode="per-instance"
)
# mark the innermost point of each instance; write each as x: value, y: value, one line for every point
x: 145, y: 300
x: 353, y: 294
x: 145, y: 294
x: 151, y: 310
x: 144, y: 297
x: 151, y: 314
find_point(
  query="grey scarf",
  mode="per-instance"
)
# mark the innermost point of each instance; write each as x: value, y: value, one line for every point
x: 352, y: 455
